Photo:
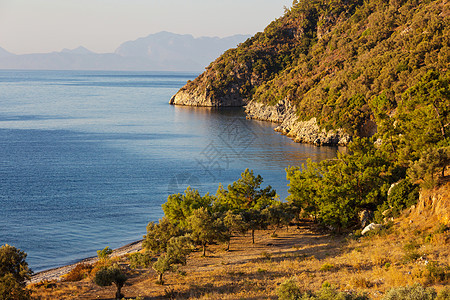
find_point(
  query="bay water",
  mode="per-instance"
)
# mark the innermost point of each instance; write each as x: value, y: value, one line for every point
x: 87, y: 158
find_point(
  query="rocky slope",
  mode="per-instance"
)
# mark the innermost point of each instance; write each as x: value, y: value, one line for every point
x: 300, y: 131
x: 433, y: 205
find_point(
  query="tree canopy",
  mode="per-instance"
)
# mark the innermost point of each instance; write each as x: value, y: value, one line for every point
x: 14, y: 272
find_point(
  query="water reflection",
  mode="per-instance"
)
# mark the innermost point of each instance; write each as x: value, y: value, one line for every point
x: 236, y: 143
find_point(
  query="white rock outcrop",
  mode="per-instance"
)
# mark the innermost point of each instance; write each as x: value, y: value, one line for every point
x: 370, y: 227
x: 300, y: 131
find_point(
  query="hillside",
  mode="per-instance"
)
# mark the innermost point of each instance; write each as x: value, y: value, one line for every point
x: 330, y: 63
x: 414, y: 251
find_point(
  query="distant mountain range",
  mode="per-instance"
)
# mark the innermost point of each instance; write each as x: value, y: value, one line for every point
x: 163, y: 51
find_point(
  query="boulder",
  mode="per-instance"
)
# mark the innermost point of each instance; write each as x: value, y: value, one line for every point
x: 370, y: 227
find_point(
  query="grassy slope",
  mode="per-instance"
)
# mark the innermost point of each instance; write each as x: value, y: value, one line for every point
x: 415, y: 250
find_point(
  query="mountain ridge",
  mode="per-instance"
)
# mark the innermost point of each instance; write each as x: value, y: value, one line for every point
x: 171, y: 52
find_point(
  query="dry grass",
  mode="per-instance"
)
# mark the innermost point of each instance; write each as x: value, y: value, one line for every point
x: 371, y: 264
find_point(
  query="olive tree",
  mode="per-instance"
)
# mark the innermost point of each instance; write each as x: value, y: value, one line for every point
x: 106, y: 276
x: 235, y: 224
x: 158, y: 235
x: 206, y: 228
x: 179, y: 207
x: 177, y: 250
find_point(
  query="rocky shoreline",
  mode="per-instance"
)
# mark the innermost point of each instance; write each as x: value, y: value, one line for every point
x: 195, y: 97
x: 307, y: 132
x: 283, y: 112
x: 56, y: 273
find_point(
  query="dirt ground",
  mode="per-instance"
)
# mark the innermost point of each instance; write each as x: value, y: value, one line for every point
x: 301, y: 240
x: 370, y: 265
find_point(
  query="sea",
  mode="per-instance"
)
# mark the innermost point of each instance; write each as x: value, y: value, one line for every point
x: 88, y: 157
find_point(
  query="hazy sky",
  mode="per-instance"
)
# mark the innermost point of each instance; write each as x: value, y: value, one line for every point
x: 30, y: 26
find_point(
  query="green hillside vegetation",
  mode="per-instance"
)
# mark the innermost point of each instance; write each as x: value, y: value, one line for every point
x: 345, y: 63
x: 350, y: 63
x: 340, y: 61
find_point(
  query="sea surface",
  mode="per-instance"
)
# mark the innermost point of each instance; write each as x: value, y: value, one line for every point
x: 87, y: 158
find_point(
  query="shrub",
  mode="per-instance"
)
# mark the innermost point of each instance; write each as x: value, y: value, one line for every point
x: 109, y: 275
x: 10, y: 288
x: 329, y: 292
x: 139, y: 260
x: 289, y: 290
x: 45, y: 284
x: 415, y: 292
x: 441, y: 228
x: 411, y: 253
x: 444, y: 294
x: 327, y: 267
x: 104, y: 254
x: 403, y: 195
x: 266, y: 255
x: 78, y: 273
x: 437, y: 273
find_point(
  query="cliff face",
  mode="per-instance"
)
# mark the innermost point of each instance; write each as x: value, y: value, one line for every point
x: 202, y: 97
x: 307, y: 132
x: 433, y: 205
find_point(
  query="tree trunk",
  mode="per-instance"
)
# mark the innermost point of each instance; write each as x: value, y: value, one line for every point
x: 204, y: 249
x: 253, y: 236
x: 118, y: 292
x: 228, y: 244
x: 160, y: 278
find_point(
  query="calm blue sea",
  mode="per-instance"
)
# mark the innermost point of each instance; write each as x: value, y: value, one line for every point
x: 87, y: 158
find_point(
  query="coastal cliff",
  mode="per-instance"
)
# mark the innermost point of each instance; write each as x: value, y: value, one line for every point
x: 196, y: 96
x: 330, y: 71
x: 307, y: 132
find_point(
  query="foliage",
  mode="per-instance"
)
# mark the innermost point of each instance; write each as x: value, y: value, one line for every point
x: 206, y: 228
x: 335, y: 191
x: 80, y: 272
x: 402, y: 195
x: 431, y: 166
x: 246, y: 193
x: 10, y: 288
x: 344, y: 63
x: 235, y: 224
x: 106, y: 276
x: 444, y: 294
x: 180, y: 206
x: 437, y: 273
x: 104, y: 254
x: 279, y: 215
x: 14, y: 273
x: 289, y: 290
x: 327, y: 267
x: 159, y: 234
x: 139, y: 260
x: 176, y: 253
x: 255, y: 220
x: 411, y: 293
x: 302, y: 188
